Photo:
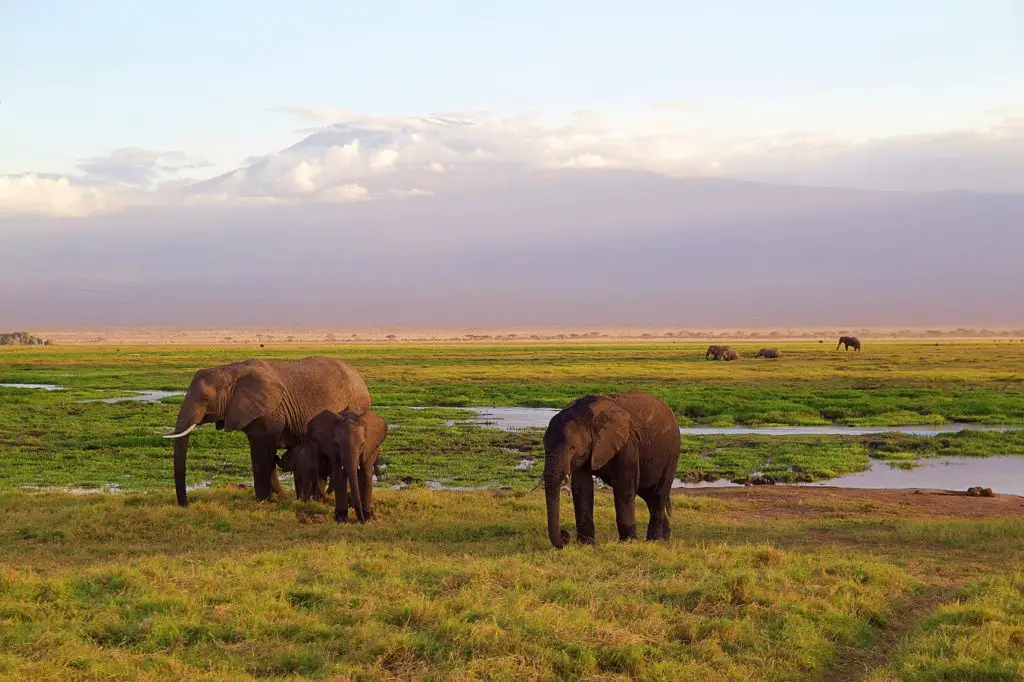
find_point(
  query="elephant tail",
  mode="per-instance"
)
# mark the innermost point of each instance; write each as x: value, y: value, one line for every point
x: 668, y: 504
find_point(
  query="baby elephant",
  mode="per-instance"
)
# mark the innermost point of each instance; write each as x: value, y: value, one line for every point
x: 769, y: 353
x: 310, y: 469
x: 349, y: 443
x: 728, y: 354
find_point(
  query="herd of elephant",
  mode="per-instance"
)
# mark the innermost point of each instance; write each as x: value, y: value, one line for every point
x: 725, y: 353
x: 318, y: 410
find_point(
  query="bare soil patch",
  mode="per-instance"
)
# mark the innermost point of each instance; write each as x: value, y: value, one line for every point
x: 785, y: 501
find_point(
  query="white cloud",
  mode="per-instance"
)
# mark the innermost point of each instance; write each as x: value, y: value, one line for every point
x: 344, y: 194
x: 139, y: 167
x: 349, y: 157
x: 588, y: 161
x: 48, y: 196
x: 408, y: 193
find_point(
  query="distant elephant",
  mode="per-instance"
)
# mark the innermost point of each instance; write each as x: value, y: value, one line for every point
x: 628, y: 440
x: 272, y: 401
x: 769, y: 353
x: 714, y: 352
x: 350, y: 443
x: 849, y: 341
x: 728, y: 354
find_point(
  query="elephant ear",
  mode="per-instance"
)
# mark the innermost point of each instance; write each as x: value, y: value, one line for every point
x: 376, y: 432
x: 610, y: 431
x: 256, y: 394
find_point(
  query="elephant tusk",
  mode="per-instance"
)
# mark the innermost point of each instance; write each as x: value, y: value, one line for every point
x: 183, y: 433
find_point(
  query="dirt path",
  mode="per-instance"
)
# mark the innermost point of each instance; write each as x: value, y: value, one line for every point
x: 787, y: 501
x: 856, y: 664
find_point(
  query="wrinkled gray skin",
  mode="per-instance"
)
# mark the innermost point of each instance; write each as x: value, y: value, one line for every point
x: 272, y: 402
x: 727, y: 355
x: 310, y: 469
x: 350, y: 443
x: 628, y: 440
x: 849, y: 342
x: 714, y: 352
x: 769, y: 353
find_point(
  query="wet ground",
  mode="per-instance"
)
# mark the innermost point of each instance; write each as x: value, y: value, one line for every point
x: 513, y: 418
x: 139, y: 397
x: 1003, y: 474
x: 43, y: 387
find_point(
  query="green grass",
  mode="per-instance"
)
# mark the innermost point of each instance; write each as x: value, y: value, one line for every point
x: 465, y: 585
x: 50, y: 439
x: 978, y: 635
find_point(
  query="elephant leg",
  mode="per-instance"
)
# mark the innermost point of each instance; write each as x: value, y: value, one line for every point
x: 262, y: 451
x: 659, y: 519
x: 625, y: 513
x: 366, y: 491
x: 583, y: 505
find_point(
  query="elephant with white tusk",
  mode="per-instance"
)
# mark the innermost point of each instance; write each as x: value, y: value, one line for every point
x: 272, y: 401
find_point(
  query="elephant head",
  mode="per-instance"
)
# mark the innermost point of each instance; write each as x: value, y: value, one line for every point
x: 585, y: 435
x: 232, y: 397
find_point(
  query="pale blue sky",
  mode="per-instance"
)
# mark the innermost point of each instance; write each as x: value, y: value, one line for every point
x: 78, y: 79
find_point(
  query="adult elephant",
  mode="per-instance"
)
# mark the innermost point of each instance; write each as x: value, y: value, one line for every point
x: 714, y: 351
x: 628, y: 440
x: 849, y: 341
x: 271, y: 401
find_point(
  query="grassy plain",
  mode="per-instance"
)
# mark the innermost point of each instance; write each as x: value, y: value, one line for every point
x: 95, y: 444
x: 766, y: 584
x: 775, y: 584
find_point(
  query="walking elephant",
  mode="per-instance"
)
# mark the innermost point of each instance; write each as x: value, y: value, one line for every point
x: 849, y: 342
x: 271, y: 401
x: 628, y: 440
x: 728, y: 355
x: 349, y: 443
x: 769, y: 353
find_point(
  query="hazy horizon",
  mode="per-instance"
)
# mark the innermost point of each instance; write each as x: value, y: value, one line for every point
x: 675, y: 165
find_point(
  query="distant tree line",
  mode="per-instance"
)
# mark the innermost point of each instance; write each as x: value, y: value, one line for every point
x: 22, y: 339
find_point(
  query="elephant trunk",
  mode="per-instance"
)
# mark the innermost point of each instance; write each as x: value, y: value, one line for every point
x: 349, y: 461
x: 552, y: 492
x: 554, y: 474
x: 187, y: 420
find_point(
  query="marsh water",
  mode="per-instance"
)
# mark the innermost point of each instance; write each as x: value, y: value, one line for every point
x: 42, y: 387
x: 1004, y: 474
x: 139, y: 397
x: 513, y: 418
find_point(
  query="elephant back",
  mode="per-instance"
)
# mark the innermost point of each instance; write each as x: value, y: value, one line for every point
x: 326, y: 383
